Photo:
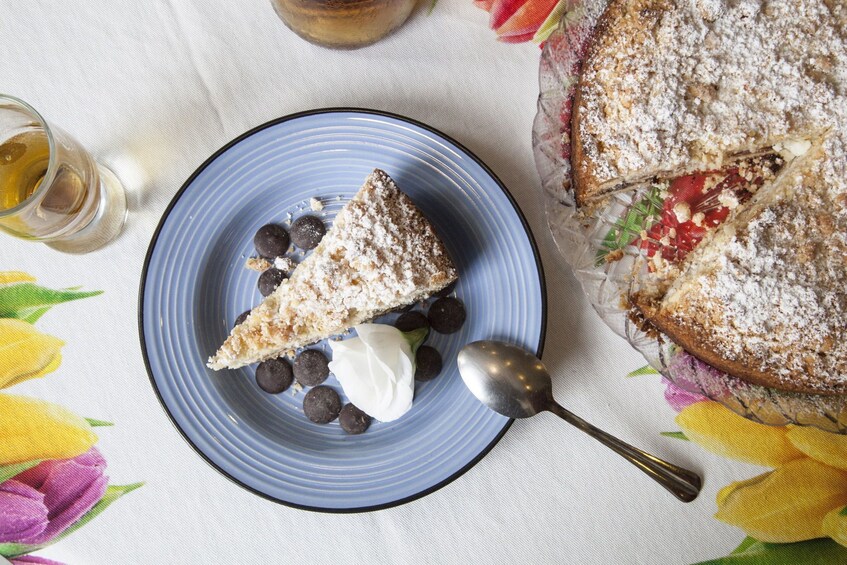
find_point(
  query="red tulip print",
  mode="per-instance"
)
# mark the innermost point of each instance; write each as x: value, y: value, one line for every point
x: 516, y: 21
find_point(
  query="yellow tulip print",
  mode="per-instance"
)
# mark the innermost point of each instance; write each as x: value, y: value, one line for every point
x: 724, y: 432
x: 26, y: 353
x: 787, y: 504
x: 10, y: 277
x: 22, y: 299
x: 33, y: 429
x: 820, y: 445
x: 40, y: 439
x: 835, y: 525
x: 797, y: 511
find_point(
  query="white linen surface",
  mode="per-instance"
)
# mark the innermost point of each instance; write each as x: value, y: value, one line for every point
x: 153, y: 88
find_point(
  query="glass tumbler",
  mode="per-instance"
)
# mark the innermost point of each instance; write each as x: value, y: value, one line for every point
x: 51, y: 189
x: 343, y: 24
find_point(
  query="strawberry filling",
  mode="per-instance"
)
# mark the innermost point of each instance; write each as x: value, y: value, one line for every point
x: 698, y: 203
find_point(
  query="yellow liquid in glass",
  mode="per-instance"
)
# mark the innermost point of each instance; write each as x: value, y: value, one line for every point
x: 23, y: 162
x: 343, y: 24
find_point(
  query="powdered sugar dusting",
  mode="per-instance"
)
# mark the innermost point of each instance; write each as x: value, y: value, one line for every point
x: 775, y: 297
x: 380, y: 253
x: 284, y: 263
x: 683, y: 84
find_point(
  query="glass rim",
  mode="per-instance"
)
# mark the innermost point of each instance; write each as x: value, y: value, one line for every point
x: 51, y: 145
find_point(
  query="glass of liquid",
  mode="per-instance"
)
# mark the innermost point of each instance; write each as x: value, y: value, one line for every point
x: 51, y: 189
x: 343, y: 24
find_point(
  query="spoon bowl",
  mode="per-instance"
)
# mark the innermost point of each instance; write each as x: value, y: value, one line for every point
x: 515, y: 383
x: 507, y: 379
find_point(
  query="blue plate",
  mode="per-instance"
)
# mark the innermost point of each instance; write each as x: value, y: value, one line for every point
x: 194, y: 285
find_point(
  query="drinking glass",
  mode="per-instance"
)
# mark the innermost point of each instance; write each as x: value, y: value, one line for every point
x: 343, y: 24
x: 51, y: 189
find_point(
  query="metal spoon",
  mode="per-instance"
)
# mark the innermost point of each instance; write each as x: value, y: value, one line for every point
x: 515, y: 383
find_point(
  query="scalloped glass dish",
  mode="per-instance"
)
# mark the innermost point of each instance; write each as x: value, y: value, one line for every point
x: 584, y: 243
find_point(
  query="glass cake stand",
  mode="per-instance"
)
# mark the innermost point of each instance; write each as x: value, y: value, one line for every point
x: 584, y: 242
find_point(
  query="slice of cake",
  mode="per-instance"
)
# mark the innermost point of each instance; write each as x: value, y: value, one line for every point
x: 381, y: 253
x: 764, y: 300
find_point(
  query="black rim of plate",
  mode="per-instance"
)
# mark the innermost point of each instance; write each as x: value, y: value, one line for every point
x: 541, y: 280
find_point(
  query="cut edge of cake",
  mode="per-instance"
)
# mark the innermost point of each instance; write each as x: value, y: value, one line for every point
x: 666, y: 309
x: 649, y: 286
x: 652, y: 299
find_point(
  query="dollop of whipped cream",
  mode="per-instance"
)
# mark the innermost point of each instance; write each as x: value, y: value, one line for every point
x: 376, y: 370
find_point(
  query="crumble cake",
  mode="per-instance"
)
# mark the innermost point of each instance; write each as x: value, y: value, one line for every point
x: 699, y: 87
x: 380, y: 254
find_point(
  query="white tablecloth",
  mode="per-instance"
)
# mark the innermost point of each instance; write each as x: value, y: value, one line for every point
x: 153, y: 88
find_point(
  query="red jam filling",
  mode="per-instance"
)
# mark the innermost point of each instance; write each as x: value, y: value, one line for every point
x: 692, y: 209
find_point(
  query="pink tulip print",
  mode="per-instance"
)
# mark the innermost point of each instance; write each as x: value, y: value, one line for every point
x: 41, y: 503
x: 679, y: 398
x: 34, y: 560
x: 44, y: 503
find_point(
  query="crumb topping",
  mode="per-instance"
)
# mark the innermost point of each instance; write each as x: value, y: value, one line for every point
x: 760, y: 308
x: 729, y: 199
x: 696, y: 80
x: 381, y: 253
x: 682, y: 211
x: 258, y: 264
x: 683, y: 85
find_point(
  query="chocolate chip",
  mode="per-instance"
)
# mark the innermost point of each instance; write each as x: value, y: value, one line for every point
x: 321, y: 405
x: 307, y: 232
x: 311, y: 367
x: 274, y: 375
x: 411, y: 321
x: 241, y: 317
x: 271, y: 241
x: 447, y: 315
x: 353, y: 420
x: 269, y: 280
x: 427, y: 363
x: 447, y: 290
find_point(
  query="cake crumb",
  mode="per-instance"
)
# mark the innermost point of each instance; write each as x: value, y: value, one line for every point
x: 729, y: 199
x: 258, y: 264
x: 615, y: 255
x: 284, y: 263
x: 697, y: 219
x: 682, y: 211
x: 315, y: 204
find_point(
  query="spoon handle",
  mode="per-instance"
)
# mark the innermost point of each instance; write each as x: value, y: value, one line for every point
x: 682, y: 483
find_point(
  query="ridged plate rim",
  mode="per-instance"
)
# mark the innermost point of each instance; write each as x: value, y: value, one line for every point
x: 336, y: 110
